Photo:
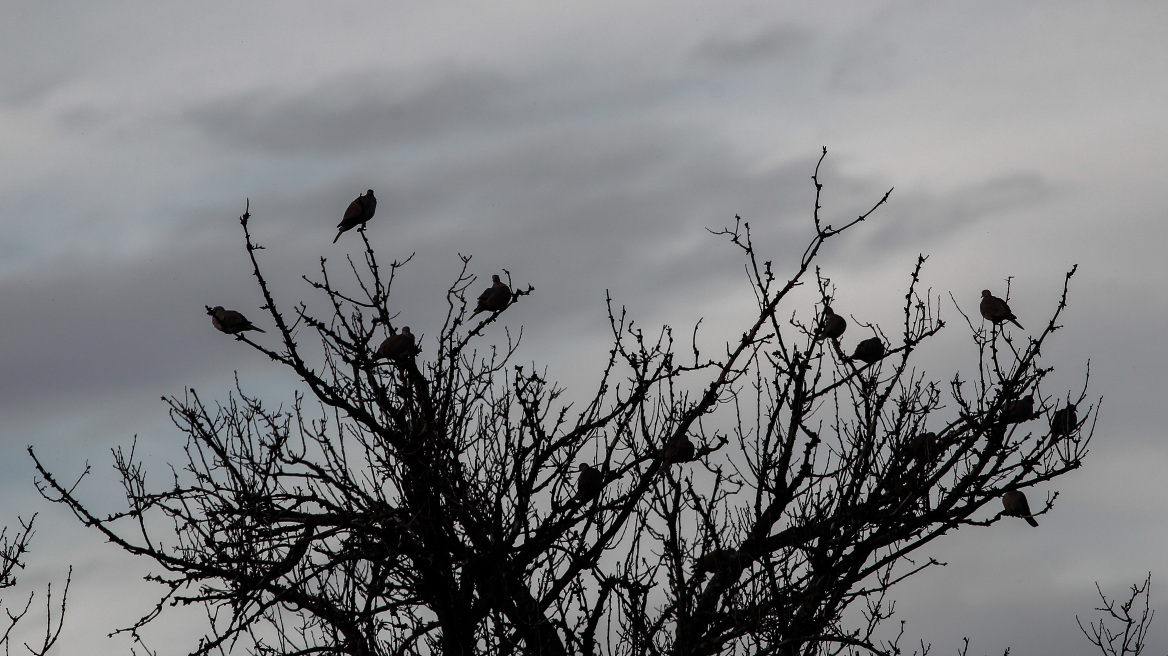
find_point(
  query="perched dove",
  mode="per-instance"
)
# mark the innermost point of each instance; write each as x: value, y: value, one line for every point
x: 495, y: 298
x: 996, y: 310
x: 680, y: 449
x: 1016, y: 506
x: 718, y: 559
x: 230, y: 321
x: 397, y: 347
x: 923, y: 448
x: 869, y: 350
x: 358, y: 213
x: 589, y: 483
x: 1018, y: 410
x: 832, y: 324
x: 294, y: 555
x: 1064, y: 421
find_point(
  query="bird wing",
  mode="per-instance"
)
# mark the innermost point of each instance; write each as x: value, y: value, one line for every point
x: 353, y: 213
x: 232, y: 319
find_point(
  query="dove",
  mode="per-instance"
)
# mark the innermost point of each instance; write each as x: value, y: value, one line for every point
x: 996, y: 310
x: 1016, y: 506
x: 397, y: 347
x: 230, y: 321
x: 832, y: 324
x: 1063, y: 422
x: 1018, y: 410
x: 923, y: 448
x: 869, y: 350
x: 294, y: 555
x: 495, y: 298
x: 717, y: 560
x: 589, y: 483
x: 681, y: 449
x: 357, y: 214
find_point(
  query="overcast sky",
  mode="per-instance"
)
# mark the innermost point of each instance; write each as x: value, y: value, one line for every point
x: 586, y: 147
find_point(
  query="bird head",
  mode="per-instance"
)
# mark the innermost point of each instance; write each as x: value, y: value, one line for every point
x: 985, y: 293
x: 213, y: 310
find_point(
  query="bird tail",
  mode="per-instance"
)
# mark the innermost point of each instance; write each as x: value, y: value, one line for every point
x: 1031, y: 521
x: 338, y: 236
x: 258, y: 330
x: 1015, y: 322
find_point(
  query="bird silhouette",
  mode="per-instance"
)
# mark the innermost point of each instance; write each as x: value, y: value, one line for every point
x: 1018, y: 410
x: 230, y: 321
x: 680, y: 449
x: 832, y: 325
x: 870, y: 350
x: 1016, y: 506
x: 1063, y: 422
x: 397, y: 347
x: 358, y: 213
x: 996, y: 310
x: 495, y: 298
x: 923, y: 448
x: 294, y: 555
x: 589, y: 483
x: 718, y: 559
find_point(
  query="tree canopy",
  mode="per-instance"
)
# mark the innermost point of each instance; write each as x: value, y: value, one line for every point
x: 422, y: 493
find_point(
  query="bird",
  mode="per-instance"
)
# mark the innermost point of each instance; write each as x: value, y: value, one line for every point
x: 589, y: 483
x: 495, y: 298
x: 870, y: 350
x: 681, y: 449
x: 1016, y: 506
x: 397, y: 347
x: 923, y: 448
x: 718, y: 559
x: 230, y: 321
x: 1017, y: 411
x: 832, y: 325
x: 1064, y: 421
x: 996, y: 310
x: 295, y: 554
x: 357, y: 214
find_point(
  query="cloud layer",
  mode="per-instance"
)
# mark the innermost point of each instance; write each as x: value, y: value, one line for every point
x: 587, y: 149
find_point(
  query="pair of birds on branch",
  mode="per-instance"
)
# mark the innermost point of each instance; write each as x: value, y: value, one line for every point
x: 590, y: 481
x: 926, y: 447
x: 401, y: 346
x: 832, y: 326
x: 395, y: 347
x: 358, y: 213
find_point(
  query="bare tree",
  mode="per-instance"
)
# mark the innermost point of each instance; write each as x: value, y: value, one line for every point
x: 764, y: 498
x: 1130, y: 636
x: 14, y: 549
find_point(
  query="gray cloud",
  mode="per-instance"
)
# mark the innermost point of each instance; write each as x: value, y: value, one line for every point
x: 360, y: 113
x: 597, y: 168
x: 922, y: 221
x: 767, y: 46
